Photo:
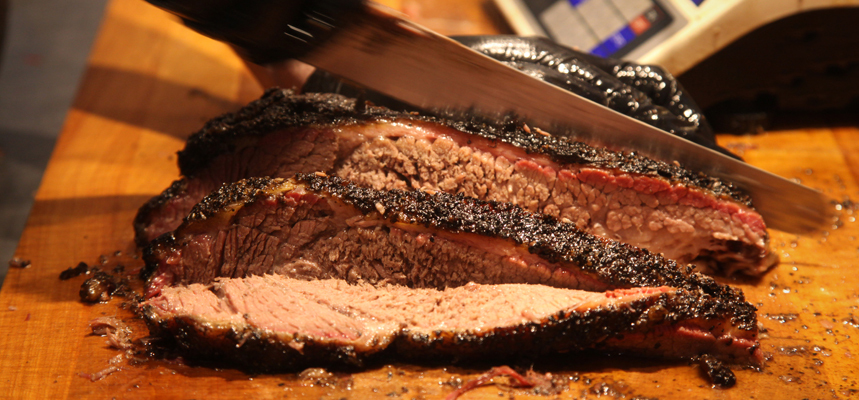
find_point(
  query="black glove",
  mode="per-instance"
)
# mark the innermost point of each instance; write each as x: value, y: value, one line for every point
x: 647, y: 93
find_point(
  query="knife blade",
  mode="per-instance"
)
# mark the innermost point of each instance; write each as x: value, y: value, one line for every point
x: 381, y: 50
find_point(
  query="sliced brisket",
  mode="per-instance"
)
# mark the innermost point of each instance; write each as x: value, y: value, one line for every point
x: 623, y: 196
x: 317, y: 227
x: 273, y: 322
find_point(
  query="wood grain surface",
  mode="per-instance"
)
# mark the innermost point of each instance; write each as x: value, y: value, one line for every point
x: 151, y: 82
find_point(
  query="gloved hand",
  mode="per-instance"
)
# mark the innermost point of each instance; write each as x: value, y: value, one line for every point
x: 647, y: 93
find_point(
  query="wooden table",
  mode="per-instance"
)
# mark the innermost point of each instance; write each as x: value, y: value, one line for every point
x: 151, y: 82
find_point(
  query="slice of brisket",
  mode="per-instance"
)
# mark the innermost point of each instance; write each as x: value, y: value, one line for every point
x: 273, y: 322
x: 623, y: 196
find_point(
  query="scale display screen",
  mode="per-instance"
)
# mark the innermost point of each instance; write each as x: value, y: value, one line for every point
x: 674, y: 34
x: 607, y: 28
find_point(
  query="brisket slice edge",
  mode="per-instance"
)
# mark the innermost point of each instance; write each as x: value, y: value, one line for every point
x: 684, y: 214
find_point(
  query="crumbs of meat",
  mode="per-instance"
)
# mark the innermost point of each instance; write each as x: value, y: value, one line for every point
x: 111, y: 368
x: 101, y: 286
x: 18, y: 262
x: 718, y: 374
x: 71, y: 272
x: 117, y: 333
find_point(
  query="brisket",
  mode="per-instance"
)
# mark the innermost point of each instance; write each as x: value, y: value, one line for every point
x: 684, y: 215
x: 273, y: 322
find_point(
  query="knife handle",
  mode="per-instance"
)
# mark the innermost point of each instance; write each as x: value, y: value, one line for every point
x: 265, y: 31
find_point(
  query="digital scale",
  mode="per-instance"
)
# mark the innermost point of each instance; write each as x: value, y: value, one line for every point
x: 675, y: 34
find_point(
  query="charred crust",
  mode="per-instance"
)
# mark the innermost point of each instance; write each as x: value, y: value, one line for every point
x: 281, y: 109
x: 228, y: 194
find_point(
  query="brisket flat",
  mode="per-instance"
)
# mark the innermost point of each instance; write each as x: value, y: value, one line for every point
x: 272, y: 322
x: 622, y: 196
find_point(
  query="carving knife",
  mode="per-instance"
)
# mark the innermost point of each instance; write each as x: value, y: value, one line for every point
x: 381, y: 50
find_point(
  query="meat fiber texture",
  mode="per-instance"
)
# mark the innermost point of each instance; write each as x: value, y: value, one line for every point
x: 315, y: 227
x: 665, y: 208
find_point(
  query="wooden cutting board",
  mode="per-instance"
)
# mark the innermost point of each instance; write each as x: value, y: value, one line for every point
x: 151, y: 82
